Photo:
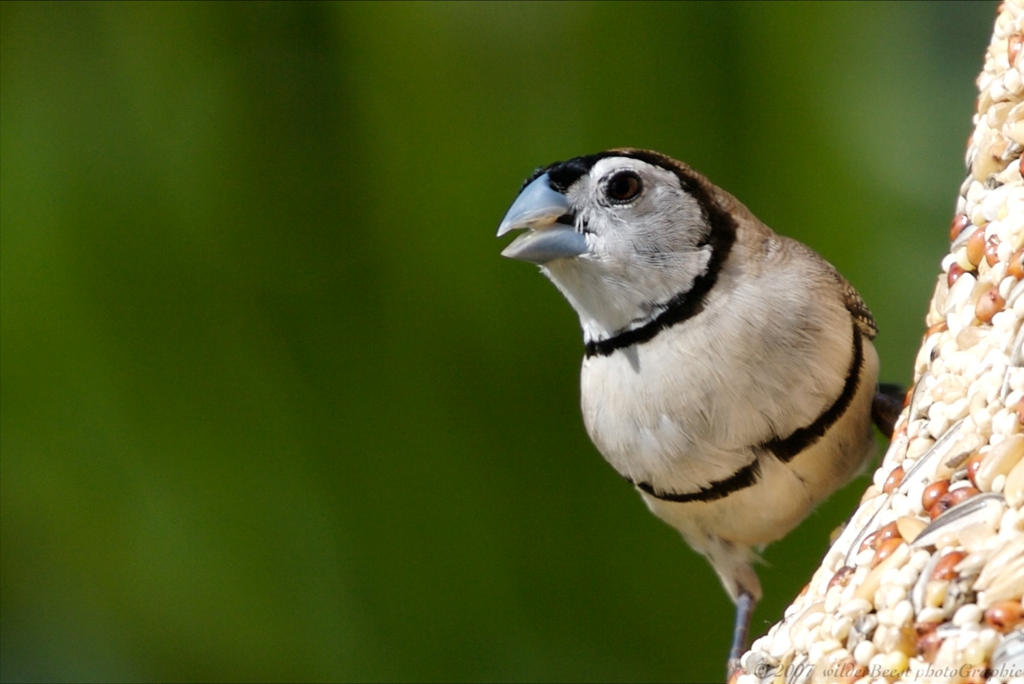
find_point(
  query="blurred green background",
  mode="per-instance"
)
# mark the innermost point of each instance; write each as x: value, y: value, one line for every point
x: 273, y: 407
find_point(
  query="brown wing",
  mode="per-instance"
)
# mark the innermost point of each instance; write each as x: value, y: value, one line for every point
x: 857, y: 308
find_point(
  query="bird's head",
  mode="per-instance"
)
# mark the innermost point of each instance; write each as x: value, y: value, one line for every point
x: 620, y: 233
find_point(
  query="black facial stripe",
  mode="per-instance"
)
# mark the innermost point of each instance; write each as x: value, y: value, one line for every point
x: 688, y: 303
x: 785, y: 448
x: 719, y: 489
x: 721, y: 237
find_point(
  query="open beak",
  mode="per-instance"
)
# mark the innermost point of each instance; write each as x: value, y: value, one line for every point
x: 547, y: 217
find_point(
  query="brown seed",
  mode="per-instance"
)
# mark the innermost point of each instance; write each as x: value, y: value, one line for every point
x: 1016, y: 266
x: 957, y: 225
x: 870, y: 541
x: 962, y: 494
x: 1013, y: 45
x: 943, y: 570
x: 932, y: 493
x: 973, y: 463
x: 890, y: 531
x: 842, y: 577
x: 974, y: 675
x: 928, y: 643
x: 846, y: 671
x: 955, y: 271
x: 894, y: 479
x: 950, y: 499
x: 932, y: 329
x: 885, y: 549
x: 989, y: 304
x: 1004, y: 615
x: 976, y: 246
x: 992, y: 250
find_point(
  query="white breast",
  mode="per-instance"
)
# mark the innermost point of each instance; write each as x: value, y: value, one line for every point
x: 684, y: 409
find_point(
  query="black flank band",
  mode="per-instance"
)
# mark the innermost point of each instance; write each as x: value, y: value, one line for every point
x: 783, y: 449
x: 686, y: 304
x: 741, y: 479
x: 786, y: 448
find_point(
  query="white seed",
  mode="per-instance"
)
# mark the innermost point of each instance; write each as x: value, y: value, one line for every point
x: 974, y: 654
x: 931, y: 614
x: 792, y: 609
x: 832, y: 598
x: 1000, y: 460
x: 906, y: 576
x: 877, y: 664
x: 888, y: 594
x: 947, y: 261
x: 966, y: 635
x: 864, y: 652
x: 806, y: 626
x: 918, y: 559
x: 956, y: 410
x: 1014, y: 397
x: 960, y: 293
x: 1004, y: 421
x: 988, y: 638
x: 1013, y: 491
x: 938, y: 423
x: 1005, y: 285
x: 840, y: 628
x: 1011, y: 525
x: 821, y: 648
x: 902, y: 613
x: 982, y: 418
x: 918, y: 447
x: 1012, y: 81
x: 780, y: 645
x: 884, y: 637
x: 901, y: 505
x: 994, y: 200
x: 896, y: 662
x: 961, y: 259
x: 947, y: 653
x: 1003, y: 249
x: 864, y: 557
x: 975, y: 192
x: 968, y: 614
x: 855, y: 607
x: 997, y: 91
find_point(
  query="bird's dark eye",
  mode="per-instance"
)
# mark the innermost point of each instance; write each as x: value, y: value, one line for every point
x: 623, y: 187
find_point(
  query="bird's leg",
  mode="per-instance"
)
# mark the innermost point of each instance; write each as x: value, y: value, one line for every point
x: 744, y: 611
x: 886, y: 407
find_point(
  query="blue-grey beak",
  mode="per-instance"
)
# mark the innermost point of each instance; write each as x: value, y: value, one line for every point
x: 537, y: 209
